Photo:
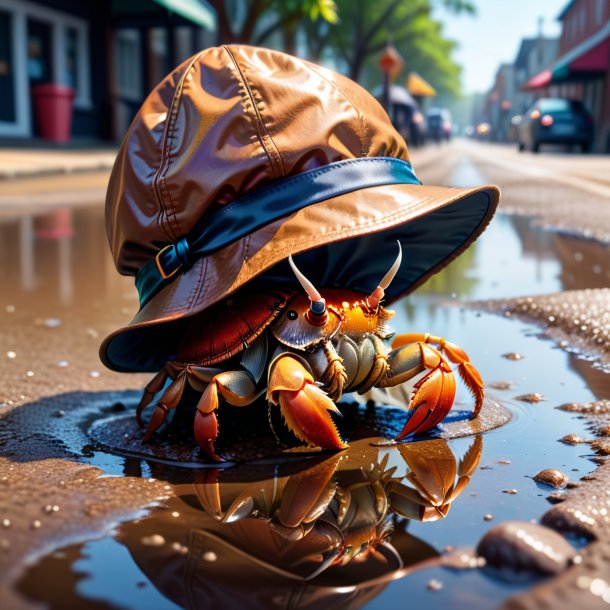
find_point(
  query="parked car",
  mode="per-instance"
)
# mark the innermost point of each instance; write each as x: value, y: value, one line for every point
x: 556, y: 121
x: 439, y: 124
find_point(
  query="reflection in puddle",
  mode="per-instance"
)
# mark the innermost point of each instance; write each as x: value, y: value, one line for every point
x: 331, y: 534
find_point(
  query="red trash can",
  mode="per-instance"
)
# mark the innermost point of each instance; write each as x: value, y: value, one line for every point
x: 53, y: 111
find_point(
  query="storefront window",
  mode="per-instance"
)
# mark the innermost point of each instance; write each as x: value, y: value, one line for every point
x: 39, y: 52
x: 7, y: 77
x: 128, y: 64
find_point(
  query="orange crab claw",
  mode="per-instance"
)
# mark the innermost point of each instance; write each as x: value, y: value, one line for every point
x: 434, y: 394
x: 304, y: 406
x: 469, y: 374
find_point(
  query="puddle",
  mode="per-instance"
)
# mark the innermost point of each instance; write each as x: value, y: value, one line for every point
x: 253, y: 559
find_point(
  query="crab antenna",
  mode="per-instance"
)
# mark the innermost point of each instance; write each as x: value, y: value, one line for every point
x: 318, y: 304
x: 377, y: 294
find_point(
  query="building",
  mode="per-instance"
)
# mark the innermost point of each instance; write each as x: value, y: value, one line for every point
x: 500, y: 102
x: 110, y: 52
x: 534, y: 56
x: 582, y: 69
x: 510, y: 94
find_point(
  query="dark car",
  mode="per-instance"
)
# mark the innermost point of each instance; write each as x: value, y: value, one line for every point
x: 556, y: 121
x: 439, y: 124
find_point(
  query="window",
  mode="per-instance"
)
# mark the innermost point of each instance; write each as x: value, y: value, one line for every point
x: 128, y: 64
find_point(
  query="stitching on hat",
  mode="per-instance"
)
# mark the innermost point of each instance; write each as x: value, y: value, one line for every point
x: 159, y: 179
x: 245, y: 103
x: 277, y: 164
x: 360, y: 116
x: 194, y: 295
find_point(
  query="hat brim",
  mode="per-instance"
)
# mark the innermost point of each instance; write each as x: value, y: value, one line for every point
x: 350, y: 241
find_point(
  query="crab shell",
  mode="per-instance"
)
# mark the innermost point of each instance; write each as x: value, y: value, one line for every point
x: 234, y: 324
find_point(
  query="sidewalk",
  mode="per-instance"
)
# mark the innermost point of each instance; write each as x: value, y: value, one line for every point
x: 33, y: 162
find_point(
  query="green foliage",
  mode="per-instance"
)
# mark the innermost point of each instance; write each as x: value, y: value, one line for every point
x: 354, y: 31
x: 366, y: 28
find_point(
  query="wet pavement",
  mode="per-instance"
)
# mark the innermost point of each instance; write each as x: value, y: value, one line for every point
x: 378, y: 526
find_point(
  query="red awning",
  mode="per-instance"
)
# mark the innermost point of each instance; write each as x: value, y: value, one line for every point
x: 543, y: 79
x: 593, y: 60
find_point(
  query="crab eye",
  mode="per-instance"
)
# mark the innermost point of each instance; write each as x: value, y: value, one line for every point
x: 292, y: 315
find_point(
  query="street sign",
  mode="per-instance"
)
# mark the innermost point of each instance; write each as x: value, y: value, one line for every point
x: 391, y: 62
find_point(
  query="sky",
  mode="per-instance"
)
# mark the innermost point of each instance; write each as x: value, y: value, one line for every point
x: 492, y: 36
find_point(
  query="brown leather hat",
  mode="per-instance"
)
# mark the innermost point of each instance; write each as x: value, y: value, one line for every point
x: 242, y: 156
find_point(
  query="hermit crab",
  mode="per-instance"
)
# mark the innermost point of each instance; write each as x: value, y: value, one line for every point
x: 303, y: 352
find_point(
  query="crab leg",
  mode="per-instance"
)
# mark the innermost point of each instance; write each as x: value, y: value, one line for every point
x: 237, y: 388
x: 303, y: 404
x: 434, y: 393
x: 168, y: 401
x: 154, y: 385
x: 457, y: 355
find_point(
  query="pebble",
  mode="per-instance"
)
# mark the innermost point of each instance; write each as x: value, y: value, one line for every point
x: 599, y: 407
x: 487, y: 517
x: 531, y: 398
x: 513, y: 356
x: 572, y: 439
x: 154, y: 540
x: 556, y: 497
x: 62, y: 364
x: 601, y: 446
x: 11, y: 355
x: 504, y: 462
x: 553, y: 477
x: 434, y: 585
x: 511, y: 492
x: 525, y: 547
x: 501, y: 385
x: 94, y: 374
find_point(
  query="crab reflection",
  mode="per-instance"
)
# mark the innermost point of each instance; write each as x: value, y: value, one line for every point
x: 352, y: 506
x: 339, y: 528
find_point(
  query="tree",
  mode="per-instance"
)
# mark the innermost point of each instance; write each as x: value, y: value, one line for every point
x: 365, y: 28
x: 283, y: 16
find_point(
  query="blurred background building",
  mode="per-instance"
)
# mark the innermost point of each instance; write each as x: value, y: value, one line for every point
x: 111, y: 53
x: 576, y: 66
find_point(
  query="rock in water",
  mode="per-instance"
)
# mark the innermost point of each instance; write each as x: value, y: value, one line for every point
x: 518, y: 549
x: 553, y: 477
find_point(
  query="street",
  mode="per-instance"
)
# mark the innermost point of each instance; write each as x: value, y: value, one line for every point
x: 61, y: 295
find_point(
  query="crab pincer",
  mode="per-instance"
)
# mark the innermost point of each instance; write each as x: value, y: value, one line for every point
x: 304, y: 405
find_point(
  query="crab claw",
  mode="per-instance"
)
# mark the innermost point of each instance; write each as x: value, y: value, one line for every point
x: 434, y: 393
x: 304, y: 406
x: 469, y: 374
